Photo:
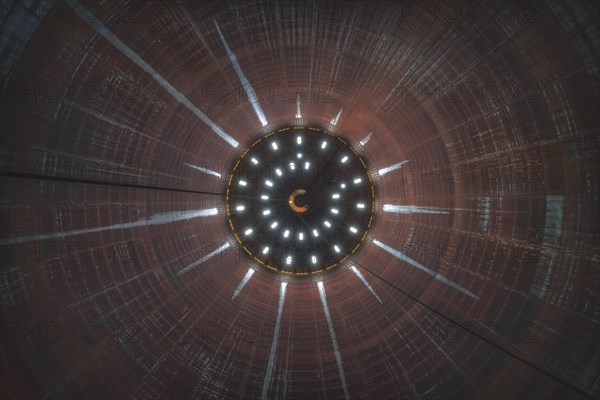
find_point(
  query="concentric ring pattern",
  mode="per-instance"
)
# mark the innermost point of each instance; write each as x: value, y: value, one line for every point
x: 300, y: 200
x: 121, y: 120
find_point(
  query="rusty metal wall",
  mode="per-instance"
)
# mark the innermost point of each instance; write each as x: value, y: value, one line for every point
x: 492, y: 109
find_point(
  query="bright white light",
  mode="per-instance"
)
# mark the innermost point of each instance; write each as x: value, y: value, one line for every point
x: 266, y: 212
x: 315, y: 232
x: 343, y: 185
x: 254, y: 160
x: 274, y: 144
x: 248, y: 231
x: 324, y: 144
x: 264, y: 197
x: 240, y: 208
x: 274, y: 225
x: 243, y: 183
x: 288, y: 260
x: 335, y: 196
x: 314, y: 259
x: 327, y: 224
x: 334, y: 210
x: 292, y: 166
x: 336, y: 248
x: 286, y: 233
x: 353, y: 229
x: 344, y: 159
x: 265, y: 250
x: 360, y: 205
x: 306, y: 165
x: 269, y: 183
x: 278, y: 172
x: 299, y: 155
x: 299, y: 140
x: 301, y: 236
x: 357, y: 180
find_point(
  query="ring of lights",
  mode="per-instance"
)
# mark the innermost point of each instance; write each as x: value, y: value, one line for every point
x: 300, y: 200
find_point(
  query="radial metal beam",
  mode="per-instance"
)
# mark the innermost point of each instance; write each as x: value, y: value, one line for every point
x: 366, y: 139
x: 203, y: 259
x: 103, y: 31
x: 204, y: 170
x: 243, y: 282
x: 335, y: 120
x: 404, y: 209
x: 365, y: 282
x: 155, y: 219
x: 391, y: 168
x: 274, y: 343
x: 334, y: 341
x: 298, y: 112
x: 250, y: 93
x: 401, y: 256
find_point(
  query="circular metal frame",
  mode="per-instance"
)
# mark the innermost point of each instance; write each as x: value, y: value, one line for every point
x: 264, y: 199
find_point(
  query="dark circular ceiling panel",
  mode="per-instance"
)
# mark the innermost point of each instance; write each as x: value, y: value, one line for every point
x: 300, y: 200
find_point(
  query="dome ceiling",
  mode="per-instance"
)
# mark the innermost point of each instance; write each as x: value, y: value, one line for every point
x: 474, y: 129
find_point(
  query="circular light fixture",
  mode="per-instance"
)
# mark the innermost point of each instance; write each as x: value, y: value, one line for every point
x: 283, y: 230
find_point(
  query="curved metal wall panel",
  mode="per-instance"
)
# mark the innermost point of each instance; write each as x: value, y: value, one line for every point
x: 120, y: 122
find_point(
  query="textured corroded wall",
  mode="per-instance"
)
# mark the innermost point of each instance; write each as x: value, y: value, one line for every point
x: 492, y: 108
